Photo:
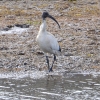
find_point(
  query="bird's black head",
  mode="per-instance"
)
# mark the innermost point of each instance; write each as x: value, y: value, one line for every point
x: 46, y: 14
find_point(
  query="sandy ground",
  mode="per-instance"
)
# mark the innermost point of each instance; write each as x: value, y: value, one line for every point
x: 79, y: 36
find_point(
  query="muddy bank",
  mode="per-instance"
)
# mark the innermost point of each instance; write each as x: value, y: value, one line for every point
x: 79, y: 36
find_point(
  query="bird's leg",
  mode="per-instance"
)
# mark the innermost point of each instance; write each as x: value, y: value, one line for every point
x: 52, y: 63
x: 47, y: 62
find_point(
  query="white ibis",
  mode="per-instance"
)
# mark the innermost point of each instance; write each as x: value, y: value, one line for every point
x: 46, y: 41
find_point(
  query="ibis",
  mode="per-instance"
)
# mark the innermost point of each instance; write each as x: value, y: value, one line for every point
x: 46, y: 41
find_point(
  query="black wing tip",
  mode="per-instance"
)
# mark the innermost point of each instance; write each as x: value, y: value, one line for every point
x: 59, y: 49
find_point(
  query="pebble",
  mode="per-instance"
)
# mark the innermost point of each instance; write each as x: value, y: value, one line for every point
x: 68, y: 54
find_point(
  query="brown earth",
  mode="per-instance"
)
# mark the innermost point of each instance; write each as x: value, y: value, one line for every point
x: 79, y: 36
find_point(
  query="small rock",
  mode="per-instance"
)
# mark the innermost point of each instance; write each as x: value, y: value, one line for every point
x: 10, y: 26
x: 5, y: 29
x: 71, y: 38
x: 92, y: 43
x: 92, y: 3
x: 39, y: 53
x: 96, y: 61
x: 3, y: 48
x: 10, y: 17
x: 92, y: 31
x: 25, y: 63
x: 68, y: 54
x: 21, y: 53
x: 22, y: 25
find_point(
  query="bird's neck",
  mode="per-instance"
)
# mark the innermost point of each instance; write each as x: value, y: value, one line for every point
x: 43, y: 26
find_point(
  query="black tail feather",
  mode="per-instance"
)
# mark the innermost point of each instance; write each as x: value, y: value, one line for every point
x: 59, y: 49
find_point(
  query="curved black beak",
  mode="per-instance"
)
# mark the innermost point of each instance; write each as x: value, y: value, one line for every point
x: 54, y: 19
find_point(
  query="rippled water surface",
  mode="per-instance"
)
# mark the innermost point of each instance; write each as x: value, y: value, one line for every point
x: 69, y: 86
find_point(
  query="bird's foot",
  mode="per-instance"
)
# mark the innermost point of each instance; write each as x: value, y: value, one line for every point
x: 50, y: 70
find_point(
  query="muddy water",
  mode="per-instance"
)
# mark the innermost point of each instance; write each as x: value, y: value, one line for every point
x: 68, y: 86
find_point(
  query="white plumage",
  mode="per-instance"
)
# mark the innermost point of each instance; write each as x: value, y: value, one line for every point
x: 47, y: 42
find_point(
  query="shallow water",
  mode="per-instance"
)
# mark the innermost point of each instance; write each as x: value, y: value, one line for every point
x: 68, y: 86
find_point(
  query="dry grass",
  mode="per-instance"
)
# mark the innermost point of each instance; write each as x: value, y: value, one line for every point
x: 32, y: 15
x: 84, y: 11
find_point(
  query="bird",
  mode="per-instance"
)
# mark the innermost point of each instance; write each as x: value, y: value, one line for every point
x: 47, y: 41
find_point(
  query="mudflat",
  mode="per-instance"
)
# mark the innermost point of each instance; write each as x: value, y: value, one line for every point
x: 79, y: 36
